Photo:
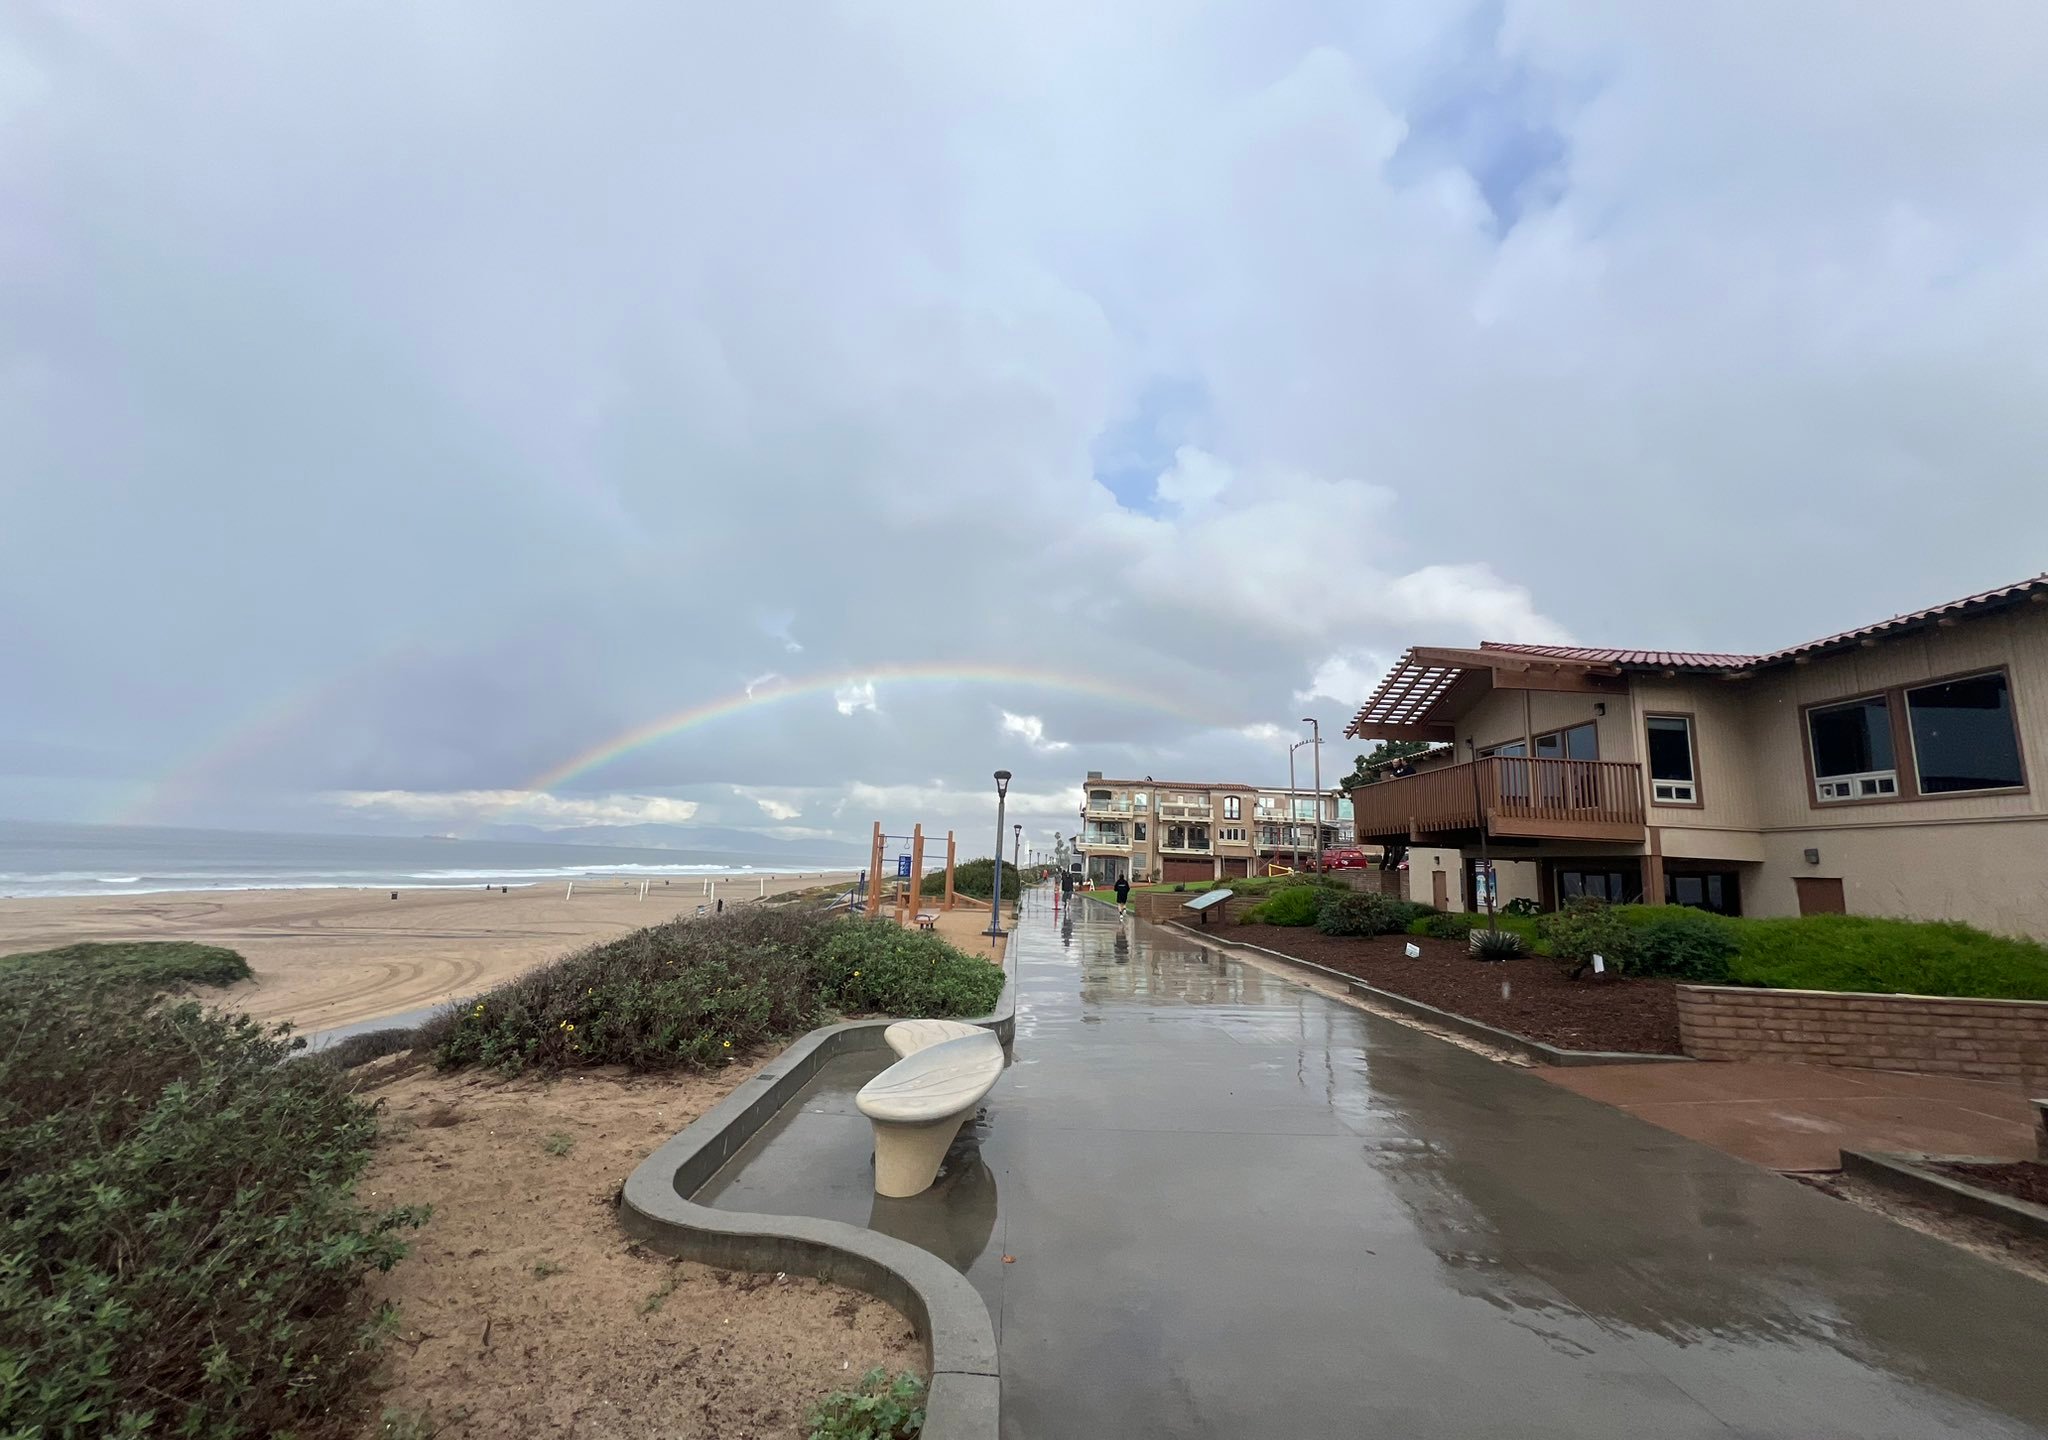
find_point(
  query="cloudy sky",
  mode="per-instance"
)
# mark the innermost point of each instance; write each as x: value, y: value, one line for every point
x: 400, y: 402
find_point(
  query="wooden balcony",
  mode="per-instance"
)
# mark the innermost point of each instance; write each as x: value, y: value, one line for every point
x: 1533, y: 799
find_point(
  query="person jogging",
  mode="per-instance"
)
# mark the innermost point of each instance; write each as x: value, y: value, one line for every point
x: 1123, y: 895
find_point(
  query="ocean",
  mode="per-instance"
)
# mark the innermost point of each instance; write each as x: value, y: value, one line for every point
x: 38, y: 858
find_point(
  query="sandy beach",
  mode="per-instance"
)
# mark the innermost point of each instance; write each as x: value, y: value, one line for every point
x: 326, y: 958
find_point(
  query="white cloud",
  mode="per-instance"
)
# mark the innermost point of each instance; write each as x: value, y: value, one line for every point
x: 1265, y: 732
x: 1297, y: 341
x: 774, y: 806
x: 1347, y: 677
x: 851, y: 699
x: 1031, y: 730
x: 505, y: 806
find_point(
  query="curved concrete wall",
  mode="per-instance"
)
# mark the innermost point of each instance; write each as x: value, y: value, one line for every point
x: 655, y: 1206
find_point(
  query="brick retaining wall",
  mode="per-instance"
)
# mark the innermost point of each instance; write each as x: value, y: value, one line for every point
x: 2003, y: 1040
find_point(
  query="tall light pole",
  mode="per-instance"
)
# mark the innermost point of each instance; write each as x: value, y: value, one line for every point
x: 1016, y: 841
x: 1294, y: 803
x: 995, y: 899
x: 1317, y: 731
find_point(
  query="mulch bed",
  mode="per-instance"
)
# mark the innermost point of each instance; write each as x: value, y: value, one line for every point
x: 1583, y: 1014
x: 2021, y: 1180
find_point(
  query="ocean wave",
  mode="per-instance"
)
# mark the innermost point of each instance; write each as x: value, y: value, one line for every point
x: 118, y: 879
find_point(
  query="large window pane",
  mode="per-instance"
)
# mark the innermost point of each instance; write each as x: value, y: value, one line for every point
x: 1852, y: 739
x: 1963, y: 735
x: 1670, y: 747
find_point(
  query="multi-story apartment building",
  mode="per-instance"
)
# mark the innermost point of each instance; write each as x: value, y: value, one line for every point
x: 1197, y: 830
x: 1884, y: 771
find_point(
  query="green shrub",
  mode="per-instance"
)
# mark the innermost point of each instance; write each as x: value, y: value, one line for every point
x: 977, y: 878
x: 1357, y: 912
x: 1585, y: 928
x: 1287, y: 905
x: 881, y: 1409
x: 1685, y: 944
x: 1444, y: 927
x: 150, y: 966
x: 1888, y: 957
x: 1522, y: 907
x: 696, y: 993
x: 360, y: 1049
x: 1497, y: 944
x: 181, y: 1248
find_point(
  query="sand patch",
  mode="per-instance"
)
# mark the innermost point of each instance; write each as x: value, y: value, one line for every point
x: 526, y: 1311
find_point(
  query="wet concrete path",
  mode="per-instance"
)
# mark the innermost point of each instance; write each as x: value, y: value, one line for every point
x: 1240, y: 1209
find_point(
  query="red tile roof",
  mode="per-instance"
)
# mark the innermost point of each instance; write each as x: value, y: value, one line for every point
x: 1660, y: 659
x: 1712, y: 660
x: 1409, y: 694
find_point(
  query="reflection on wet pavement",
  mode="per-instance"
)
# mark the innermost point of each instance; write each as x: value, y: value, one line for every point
x: 1240, y: 1209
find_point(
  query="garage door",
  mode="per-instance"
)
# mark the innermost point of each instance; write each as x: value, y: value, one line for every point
x: 1176, y: 870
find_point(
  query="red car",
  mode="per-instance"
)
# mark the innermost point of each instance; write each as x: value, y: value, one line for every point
x: 1345, y: 860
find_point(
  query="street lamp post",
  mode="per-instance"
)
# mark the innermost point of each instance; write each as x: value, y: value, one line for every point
x: 995, y: 900
x: 1016, y: 843
x: 1317, y: 731
x: 1485, y: 860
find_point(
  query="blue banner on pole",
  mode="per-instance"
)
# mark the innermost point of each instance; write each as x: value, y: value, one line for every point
x: 902, y: 867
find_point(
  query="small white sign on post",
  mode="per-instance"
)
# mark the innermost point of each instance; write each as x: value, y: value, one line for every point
x: 1599, y: 964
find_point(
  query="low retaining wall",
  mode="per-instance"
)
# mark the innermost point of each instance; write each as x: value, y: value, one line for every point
x: 1908, y: 1174
x: 964, y: 1402
x: 1537, y: 1052
x: 2002, y: 1040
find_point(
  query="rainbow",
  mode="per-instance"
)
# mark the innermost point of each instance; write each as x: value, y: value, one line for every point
x: 781, y: 691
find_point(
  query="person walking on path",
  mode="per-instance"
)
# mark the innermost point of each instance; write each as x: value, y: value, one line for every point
x: 1123, y: 895
x: 1067, y: 886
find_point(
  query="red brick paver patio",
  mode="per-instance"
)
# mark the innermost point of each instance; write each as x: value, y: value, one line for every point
x: 1801, y: 1117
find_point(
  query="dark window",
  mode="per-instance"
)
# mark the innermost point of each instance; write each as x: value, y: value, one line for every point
x: 1670, y: 748
x: 1963, y: 735
x: 1614, y: 885
x: 1139, y: 826
x: 1852, y: 750
x: 1716, y: 891
x: 1581, y: 742
x: 1230, y: 807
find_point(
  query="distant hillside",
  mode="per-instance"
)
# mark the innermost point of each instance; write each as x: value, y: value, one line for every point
x: 716, y: 840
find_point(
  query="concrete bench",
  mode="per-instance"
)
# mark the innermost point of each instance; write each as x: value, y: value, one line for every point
x: 907, y: 1037
x: 919, y: 1104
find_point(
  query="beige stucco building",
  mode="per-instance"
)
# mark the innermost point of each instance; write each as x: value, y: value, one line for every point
x: 1198, y: 830
x: 1884, y: 771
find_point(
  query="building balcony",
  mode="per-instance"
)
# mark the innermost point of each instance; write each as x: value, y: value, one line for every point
x: 1184, y: 812
x: 1508, y: 796
x: 1108, y: 809
x: 1167, y: 847
x: 1104, y: 841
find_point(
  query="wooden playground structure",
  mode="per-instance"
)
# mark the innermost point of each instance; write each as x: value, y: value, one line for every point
x: 906, y: 889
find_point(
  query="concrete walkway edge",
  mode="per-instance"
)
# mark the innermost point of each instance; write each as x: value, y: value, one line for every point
x: 1907, y: 1175
x: 964, y: 1401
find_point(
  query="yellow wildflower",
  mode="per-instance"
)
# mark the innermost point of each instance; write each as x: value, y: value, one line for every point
x: 728, y: 1044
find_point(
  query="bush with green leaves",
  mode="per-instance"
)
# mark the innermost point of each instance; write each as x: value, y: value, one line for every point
x: 1888, y: 957
x: 977, y: 878
x: 181, y: 1247
x: 692, y: 994
x: 148, y: 967
x: 1289, y: 905
x: 1682, y: 943
x: 1585, y: 928
x: 1496, y: 945
x: 1522, y: 907
x: 1361, y: 912
x: 879, y: 1409
x: 1442, y: 926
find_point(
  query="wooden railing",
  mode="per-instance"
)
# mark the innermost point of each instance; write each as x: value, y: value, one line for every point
x: 1556, y: 799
